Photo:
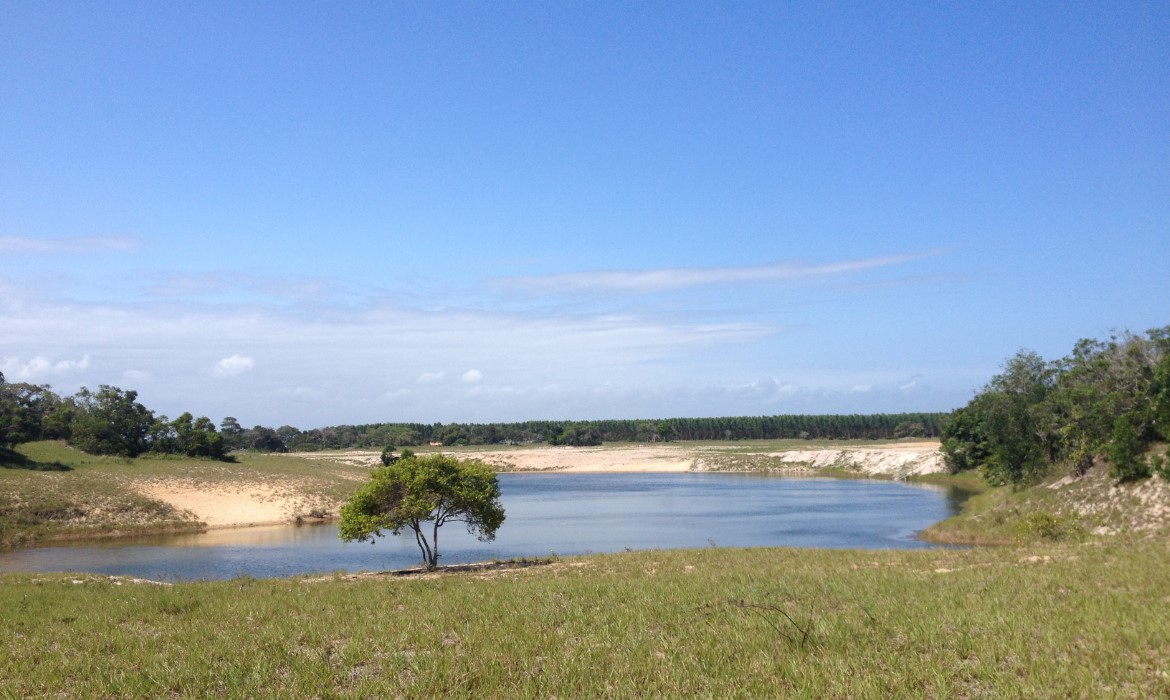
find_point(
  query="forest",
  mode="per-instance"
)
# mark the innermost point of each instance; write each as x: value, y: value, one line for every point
x: 1108, y: 399
x: 111, y: 421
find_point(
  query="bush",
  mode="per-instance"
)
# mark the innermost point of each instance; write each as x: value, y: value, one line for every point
x: 1125, y: 451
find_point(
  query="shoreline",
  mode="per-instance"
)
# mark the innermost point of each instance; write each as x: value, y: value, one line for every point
x: 255, y: 503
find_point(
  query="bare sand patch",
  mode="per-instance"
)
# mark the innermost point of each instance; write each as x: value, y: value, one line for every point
x: 897, y: 460
x: 635, y: 458
x: 892, y: 460
x: 230, y: 505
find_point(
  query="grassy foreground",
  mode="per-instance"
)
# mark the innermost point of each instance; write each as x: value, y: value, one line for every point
x: 1060, y: 620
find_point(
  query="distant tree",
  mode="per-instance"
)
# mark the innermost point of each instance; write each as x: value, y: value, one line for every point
x: 24, y: 409
x: 403, y: 435
x: 263, y: 439
x: 907, y: 429
x: 422, y: 494
x: 664, y: 430
x: 197, y: 437
x: 110, y: 422
x: 287, y: 435
x: 388, y: 456
x: 577, y: 436
x: 163, y: 438
x: 232, y: 432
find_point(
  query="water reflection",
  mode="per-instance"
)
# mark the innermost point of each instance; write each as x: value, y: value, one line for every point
x: 561, y: 513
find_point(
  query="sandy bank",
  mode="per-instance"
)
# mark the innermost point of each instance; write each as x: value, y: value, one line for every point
x: 632, y: 458
x: 897, y: 462
x: 235, y: 504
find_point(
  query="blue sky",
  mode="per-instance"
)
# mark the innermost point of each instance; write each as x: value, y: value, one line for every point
x: 325, y: 213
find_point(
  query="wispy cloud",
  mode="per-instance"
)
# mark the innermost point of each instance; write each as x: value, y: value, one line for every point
x: 675, y: 278
x: 222, y: 283
x: 68, y: 245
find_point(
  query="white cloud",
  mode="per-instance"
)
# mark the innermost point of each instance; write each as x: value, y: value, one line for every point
x: 70, y: 245
x: 234, y: 365
x: 862, y: 388
x: 472, y: 376
x: 676, y: 278
x: 431, y: 377
x: 40, y: 367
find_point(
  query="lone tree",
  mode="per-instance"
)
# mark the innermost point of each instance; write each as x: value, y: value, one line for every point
x: 416, y: 491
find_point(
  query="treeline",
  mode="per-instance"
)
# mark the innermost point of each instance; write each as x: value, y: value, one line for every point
x: 1108, y: 399
x: 109, y: 421
x: 783, y: 427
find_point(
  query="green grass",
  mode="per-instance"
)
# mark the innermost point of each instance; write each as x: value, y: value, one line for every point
x: 1054, y: 621
x: 1060, y: 509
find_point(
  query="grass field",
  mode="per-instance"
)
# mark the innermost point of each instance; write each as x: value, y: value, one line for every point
x: 1058, y: 621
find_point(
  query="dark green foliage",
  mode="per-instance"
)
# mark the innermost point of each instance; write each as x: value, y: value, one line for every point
x: 414, y: 491
x: 784, y: 427
x: 577, y: 436
x: 912, y: 429
x: 1125, y: 451
x: 1106, y: 398
x: 23, y: 411
x: 196, y: 437
x: 110, y: 422
x: 232, y: 432
x: 388, y: 456
x: 965, y: 438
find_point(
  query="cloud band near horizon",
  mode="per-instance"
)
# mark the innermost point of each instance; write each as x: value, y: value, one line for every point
x: 656, y: 280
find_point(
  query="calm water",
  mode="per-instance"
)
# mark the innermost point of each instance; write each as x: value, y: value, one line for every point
x: 547, y: 513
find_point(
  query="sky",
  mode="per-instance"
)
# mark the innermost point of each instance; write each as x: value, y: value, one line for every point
x: 320, y: 213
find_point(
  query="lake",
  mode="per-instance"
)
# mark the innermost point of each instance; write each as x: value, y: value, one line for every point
x: 549, y: 513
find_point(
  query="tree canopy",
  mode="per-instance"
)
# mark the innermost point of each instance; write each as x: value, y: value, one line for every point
x: 109, y: 421
x: 421, y: 494
x: 1106, y: 399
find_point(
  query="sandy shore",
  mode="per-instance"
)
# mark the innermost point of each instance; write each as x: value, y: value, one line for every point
x: 245, y: 504
x: 633, y: 458
x: 237, y: 504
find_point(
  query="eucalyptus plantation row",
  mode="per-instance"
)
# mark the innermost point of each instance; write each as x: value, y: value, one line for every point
x: 780, y: 427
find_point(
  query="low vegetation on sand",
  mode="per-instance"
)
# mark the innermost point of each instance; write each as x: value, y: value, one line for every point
x: 50, y: 491
x: 1058, y: 620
